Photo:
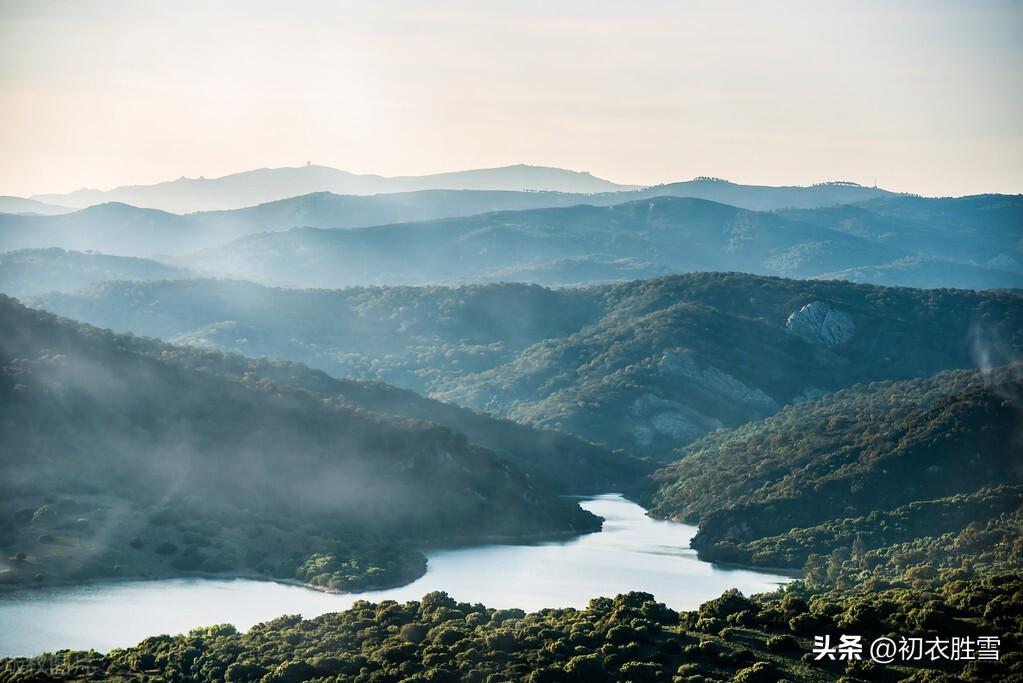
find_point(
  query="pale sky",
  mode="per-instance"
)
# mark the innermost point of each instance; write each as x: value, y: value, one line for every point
x: 923, y: 96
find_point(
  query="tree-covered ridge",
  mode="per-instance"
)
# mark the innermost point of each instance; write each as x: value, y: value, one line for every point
x: 981, y: 230
x: 857, y: 450
x: 562, y: 239
x: 573, y: 465
x: 124, y: 455
x: 681, y: 234
x: 974, y: 239
x: 28, y: 272
x: 878, y: 529
x: 646, y: 366
x: 991, y: 544
x: 892, y: 482
x: 628, y: 639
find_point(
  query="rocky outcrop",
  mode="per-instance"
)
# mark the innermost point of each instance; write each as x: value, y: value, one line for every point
x: 658, y: 418
x: 684, y: 408
x: 681, y: 365
x: 819, y: 323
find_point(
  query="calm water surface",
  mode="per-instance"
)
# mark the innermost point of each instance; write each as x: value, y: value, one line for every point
x: 632, y: 552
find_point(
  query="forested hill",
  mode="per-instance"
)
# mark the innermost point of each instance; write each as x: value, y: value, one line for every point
x: 551, y: 238
x: 567, y: 463
x: 679, y: 234
x: 981, y: 229
x: 588, y: 243
x: 645, y: 366
x: 818, y: 474
x: 27, y: 272
x: 119, y: 452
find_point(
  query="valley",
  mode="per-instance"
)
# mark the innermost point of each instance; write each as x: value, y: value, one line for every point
x: 420, y: 404
x: 504, y: 342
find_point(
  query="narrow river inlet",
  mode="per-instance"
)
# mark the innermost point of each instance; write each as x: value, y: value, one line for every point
x: 631, y: 553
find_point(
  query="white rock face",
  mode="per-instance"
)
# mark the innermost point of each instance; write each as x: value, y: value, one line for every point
x: 681, y: 365
x: 657, y: 418
x: 819, y: 323
x: 663, y: 418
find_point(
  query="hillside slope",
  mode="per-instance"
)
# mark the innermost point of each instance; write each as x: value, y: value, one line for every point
x: 117, y: 452
x: 113, y: 228
x: 644, y: 366
x: 28, y: 272
x: 798, y: 477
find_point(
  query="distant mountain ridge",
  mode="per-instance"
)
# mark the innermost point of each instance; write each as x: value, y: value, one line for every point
x: 112, y: 228
x: 766, y: 197
x: 237, y: 190
x: 30, y: 206
x: 984, y: 229
x: 585, y: 243
x: 560, y: 187
x: 332, y: 210
x: 27, y: 272
x: 555, y: 239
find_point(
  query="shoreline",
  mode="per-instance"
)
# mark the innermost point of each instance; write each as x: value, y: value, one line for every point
x: 36, y: 586
x: 451, y: 543
x: 781, y: 571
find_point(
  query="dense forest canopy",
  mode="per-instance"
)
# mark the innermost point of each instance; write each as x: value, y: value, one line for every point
x: 854, y: 463
x: 630, y: 638
x: 645, y: 366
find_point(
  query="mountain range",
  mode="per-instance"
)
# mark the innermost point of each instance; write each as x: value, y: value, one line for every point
x: 552, y: 239
x: 186, y: 195
x: 642, y: 238
x: 397, y: 395
x: 29, y: 206
x: 248, y: 188
x: 645, y: 366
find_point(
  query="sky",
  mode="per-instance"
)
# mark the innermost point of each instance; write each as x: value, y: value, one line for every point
x: 922, y: 97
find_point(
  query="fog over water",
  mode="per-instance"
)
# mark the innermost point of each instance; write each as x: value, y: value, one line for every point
x: 631, y: 553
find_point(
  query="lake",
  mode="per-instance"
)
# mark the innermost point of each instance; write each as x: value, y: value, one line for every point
x: 632, y: 552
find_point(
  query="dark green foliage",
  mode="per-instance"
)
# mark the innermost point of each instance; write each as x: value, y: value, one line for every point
x: 882, y: 528
x: 859, y: 452
x: 628, y: 638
